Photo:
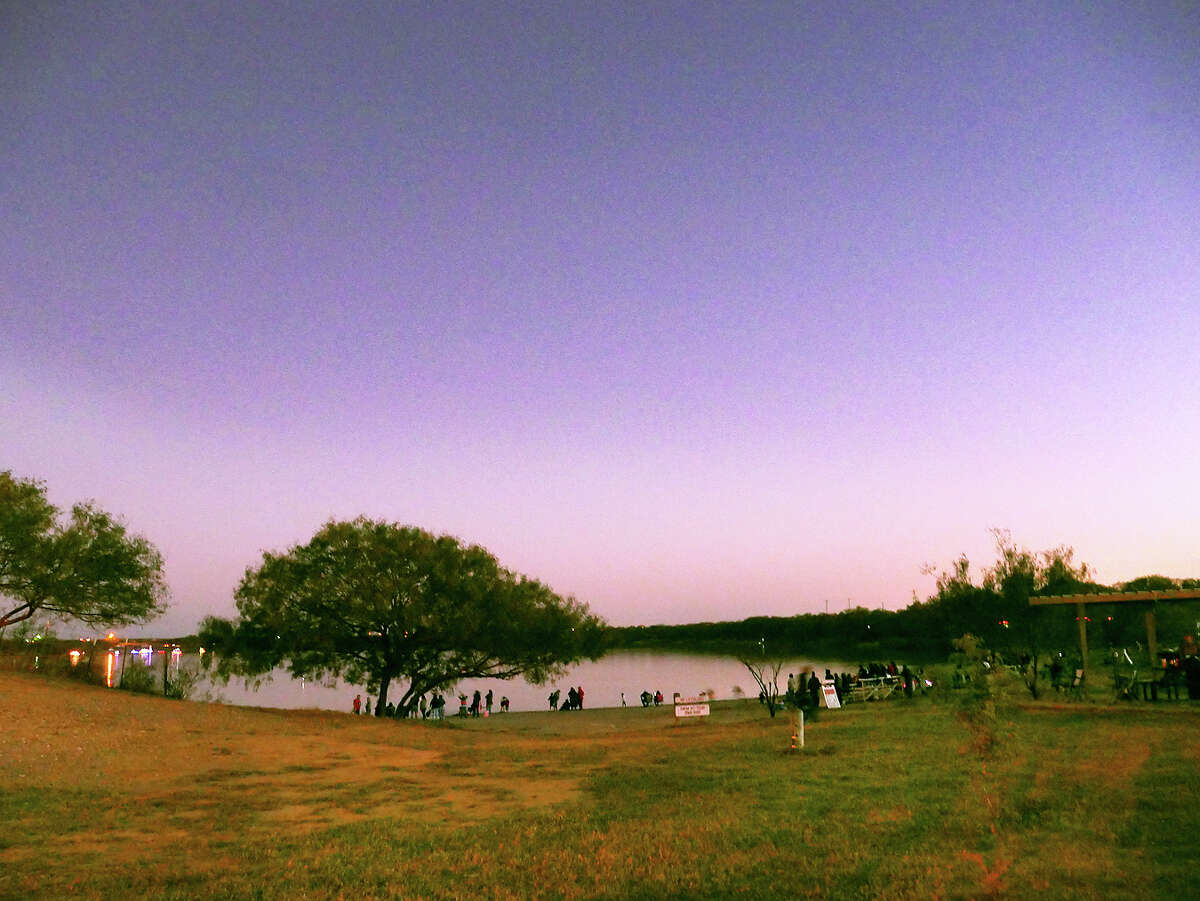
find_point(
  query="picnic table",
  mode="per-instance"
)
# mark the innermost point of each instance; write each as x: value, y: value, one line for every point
x: 874, y: 688
x: 1147, y: 685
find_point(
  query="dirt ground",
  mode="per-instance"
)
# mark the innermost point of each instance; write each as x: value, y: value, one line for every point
x: 212, y: 773
x: 65, y: 736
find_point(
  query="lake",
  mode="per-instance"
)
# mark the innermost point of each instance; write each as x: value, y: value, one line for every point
x: 603, y: 682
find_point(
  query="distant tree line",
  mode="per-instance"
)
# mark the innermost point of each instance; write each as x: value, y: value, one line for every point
x: 992, y: 605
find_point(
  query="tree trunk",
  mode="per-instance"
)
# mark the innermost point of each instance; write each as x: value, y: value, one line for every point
x: 381, y: 701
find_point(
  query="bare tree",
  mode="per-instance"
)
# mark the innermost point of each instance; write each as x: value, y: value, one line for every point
x: 766, y: 674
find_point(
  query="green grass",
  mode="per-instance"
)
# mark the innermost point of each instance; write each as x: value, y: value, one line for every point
x: 931, y: 798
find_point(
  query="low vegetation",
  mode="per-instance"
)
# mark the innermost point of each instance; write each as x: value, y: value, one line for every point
x: 957, y: 794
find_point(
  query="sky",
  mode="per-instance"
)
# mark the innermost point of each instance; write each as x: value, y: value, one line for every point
x: 693, y: 311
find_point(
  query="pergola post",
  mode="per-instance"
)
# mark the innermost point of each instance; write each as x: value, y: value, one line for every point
x: 1152, y: 636
x: 1081, y: 615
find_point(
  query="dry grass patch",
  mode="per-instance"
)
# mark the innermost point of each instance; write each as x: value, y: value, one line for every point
x: 209, y: 800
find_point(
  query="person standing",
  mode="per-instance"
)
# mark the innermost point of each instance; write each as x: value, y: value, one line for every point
x: 814, y: 689
x: 580, y: 693
x: 357, y: 704
x: 487, y: 700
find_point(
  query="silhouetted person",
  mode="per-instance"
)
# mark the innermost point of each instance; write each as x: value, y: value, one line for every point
x: 814, y: 689
x: 1191, y: 674
x: 1056, y: 669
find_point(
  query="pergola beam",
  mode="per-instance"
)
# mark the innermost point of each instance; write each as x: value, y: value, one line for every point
x: 1118, y: 597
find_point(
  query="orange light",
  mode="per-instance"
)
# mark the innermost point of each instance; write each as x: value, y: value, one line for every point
x: 112, y: 636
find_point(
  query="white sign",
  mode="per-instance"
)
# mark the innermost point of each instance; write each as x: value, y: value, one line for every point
x: 697, y: 706
x: 831, y: 698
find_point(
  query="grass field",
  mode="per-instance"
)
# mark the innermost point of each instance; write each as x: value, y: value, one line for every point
x: 105, y: 794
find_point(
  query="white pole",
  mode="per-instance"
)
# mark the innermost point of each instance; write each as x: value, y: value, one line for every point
x: 802, y: 728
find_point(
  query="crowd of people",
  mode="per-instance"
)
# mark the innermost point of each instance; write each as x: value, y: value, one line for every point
x: 574, y: 699
x: 802, y: 691
x: 805, y: 690
x: 1179, y: 669
x: 433, y: 707
x: 481, y: 704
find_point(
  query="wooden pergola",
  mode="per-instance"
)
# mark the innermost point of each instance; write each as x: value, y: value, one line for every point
x: 1081, y: 601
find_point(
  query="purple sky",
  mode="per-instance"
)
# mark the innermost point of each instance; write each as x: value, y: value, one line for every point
x: 692, y: 311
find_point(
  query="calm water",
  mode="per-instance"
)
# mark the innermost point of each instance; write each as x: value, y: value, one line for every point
x: 602, y: 680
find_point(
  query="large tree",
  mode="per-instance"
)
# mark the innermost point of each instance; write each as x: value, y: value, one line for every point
x: 374, y: 602
x: 87, y: 568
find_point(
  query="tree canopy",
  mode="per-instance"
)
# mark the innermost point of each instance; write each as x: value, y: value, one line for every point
x: 87, y: 568
x: 373, y: 602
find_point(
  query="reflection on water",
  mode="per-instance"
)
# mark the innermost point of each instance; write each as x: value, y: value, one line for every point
x: 603, y: 681
x: 143, y: 667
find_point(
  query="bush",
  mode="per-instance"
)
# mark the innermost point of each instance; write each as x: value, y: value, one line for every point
x: 181, y: 687
x: 139, y: 679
